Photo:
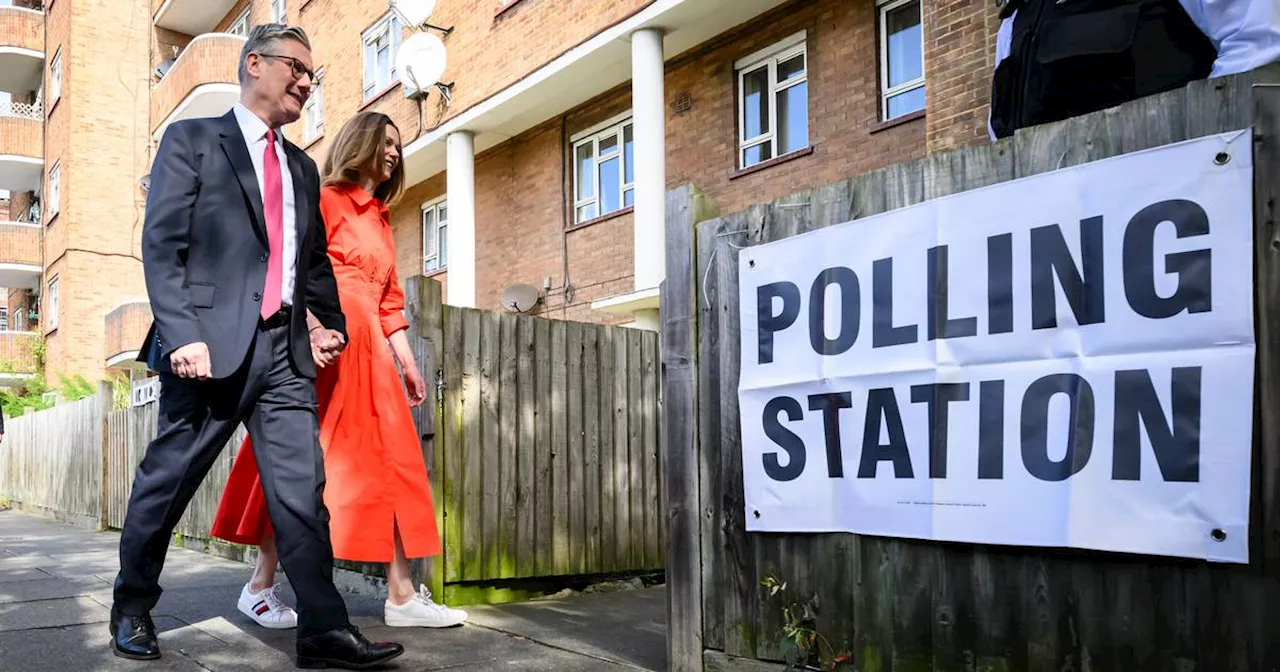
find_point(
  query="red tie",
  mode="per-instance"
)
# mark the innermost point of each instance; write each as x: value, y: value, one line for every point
x: 273, y: 210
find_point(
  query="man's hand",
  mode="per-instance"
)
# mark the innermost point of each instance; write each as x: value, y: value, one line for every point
x: 416, y: 387
x: 191, y: 361
x: 326, y: 344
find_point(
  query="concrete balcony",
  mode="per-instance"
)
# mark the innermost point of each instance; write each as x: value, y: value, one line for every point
x: 21, y: 49
x: 191, y: 17
x: 17, y: 356
x: 126, y: 327
x: 20, y: 263
x: 201, y: 83
x: 21, y: 146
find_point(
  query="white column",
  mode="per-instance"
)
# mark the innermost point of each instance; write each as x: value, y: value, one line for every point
x: 648, y: 105
x: 461, y: 185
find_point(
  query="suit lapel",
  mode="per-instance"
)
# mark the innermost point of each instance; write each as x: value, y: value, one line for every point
x: 233, y: 144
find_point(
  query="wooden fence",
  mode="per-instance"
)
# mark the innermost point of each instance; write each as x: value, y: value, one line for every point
x: 51, y: 461
x: 547, y: 465
x: 900, y: 605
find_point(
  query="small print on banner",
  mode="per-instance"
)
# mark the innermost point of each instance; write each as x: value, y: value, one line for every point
x: 1062, y: 360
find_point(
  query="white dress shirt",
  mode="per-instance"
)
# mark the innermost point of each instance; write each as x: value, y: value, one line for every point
x: 1246, y: 34
x: 255, y: 137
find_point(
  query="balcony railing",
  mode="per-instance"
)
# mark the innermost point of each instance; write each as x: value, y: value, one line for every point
x: 17, y: 354
x: 19, y: 245
x: 22, y: 110
x: 201, y: 83
x: 126, y: 327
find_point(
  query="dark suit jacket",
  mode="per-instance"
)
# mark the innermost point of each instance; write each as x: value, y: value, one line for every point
x: 204, y: 249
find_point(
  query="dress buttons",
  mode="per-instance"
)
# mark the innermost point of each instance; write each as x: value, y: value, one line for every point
x: 263, y: 258
x: 257, y: 296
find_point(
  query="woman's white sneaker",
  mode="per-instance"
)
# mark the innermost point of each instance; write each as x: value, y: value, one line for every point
x: 266, y: 609
x: 421, y: 612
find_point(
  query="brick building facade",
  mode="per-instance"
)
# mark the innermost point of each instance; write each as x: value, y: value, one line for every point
x: 760, y: 98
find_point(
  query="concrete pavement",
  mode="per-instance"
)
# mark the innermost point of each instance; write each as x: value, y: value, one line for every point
x: 55, y: 597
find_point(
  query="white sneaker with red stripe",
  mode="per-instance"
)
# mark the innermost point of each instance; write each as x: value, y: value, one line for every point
x: 266, y: 609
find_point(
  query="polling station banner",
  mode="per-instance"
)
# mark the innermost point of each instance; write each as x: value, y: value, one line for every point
x: 1063, y: 360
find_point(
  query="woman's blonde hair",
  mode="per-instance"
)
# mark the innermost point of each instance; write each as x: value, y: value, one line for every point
x: 358, y: 148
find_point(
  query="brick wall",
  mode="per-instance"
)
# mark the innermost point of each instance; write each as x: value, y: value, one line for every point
x: 22, y: 137
x: 19, y: 244
x: 125, y: 328
x: 960, y: 39
x: 206, y: 60
x: 99, y: 132
x: 520, y: 215
x: 21, y: 28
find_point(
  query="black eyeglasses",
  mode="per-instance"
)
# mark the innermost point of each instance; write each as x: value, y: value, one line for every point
x: 299, y: 69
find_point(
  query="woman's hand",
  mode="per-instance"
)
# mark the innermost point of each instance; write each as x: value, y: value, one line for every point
x: 415, y: 385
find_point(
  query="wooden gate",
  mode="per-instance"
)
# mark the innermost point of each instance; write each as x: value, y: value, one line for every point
x: 546, y: 459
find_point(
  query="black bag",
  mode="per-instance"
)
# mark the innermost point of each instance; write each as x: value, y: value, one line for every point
x: 1072, y: 57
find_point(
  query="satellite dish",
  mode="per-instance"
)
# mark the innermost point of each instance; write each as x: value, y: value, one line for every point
x: 520, y: 298
x: 421, y: 61
x: 414, y: 12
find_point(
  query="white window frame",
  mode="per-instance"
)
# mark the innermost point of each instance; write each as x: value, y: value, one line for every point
x: 279, y: 11
x: 313, y: 111
x: 241, y: 25
x: 55, y: 77
x: 388, y: 28
x: 770, y: 57
x: 432, y: 253
x: 4, y: 318
x: 593, y: 136
x: 51, y: 301
x: 882, y: 18
x: 52, y: 199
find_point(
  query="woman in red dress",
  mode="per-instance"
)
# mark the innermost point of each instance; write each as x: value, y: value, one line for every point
x: 376, y: 489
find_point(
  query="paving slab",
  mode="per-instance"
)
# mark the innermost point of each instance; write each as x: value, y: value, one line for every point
x: 55, y: 597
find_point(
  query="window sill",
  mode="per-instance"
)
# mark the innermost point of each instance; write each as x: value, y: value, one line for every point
x: 778, y: 160
x: 897, y: 121
x: 436, y: 273
x: 602, y: 218
x: 377, y: 97
x: 313, y: 142
x: 52, y: 105
x: 53, y: 217
x: 505, y: 7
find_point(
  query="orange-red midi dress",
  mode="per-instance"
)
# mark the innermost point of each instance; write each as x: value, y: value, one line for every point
x: 374, y: 471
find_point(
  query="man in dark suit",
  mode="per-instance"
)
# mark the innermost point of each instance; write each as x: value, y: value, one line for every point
x: 234, y: 254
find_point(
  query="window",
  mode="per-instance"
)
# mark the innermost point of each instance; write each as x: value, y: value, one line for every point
x: 313, y: 111
x: 773, y: 102
x: 55, y: 77
x: 604, y: 172
x: 55, y: 189
x: 4, y: 319
x: 381, y: 42
x: 435, y: 236
x: 51, y: 304
x: 241, y: 25
x: 901, y: 58
x: 278, y: 12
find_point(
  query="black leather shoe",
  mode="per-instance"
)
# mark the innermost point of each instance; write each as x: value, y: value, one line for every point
x: 133, y: 637
x: 344, y: 648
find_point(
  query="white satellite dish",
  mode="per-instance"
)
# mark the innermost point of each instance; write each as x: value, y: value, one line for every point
x: 421, y: 62
x: 520, y: 298
x: 414, y: 12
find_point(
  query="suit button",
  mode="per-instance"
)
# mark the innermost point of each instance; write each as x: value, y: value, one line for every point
x: 263, y: 258
x: 257, y: 296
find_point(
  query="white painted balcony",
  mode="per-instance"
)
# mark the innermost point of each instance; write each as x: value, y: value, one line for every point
x: 191, y: 17
x: 21, y: 49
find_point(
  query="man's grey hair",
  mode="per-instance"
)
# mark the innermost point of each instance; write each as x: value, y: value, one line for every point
x: 265, y: 36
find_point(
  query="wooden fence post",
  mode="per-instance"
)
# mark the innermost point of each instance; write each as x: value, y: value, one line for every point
x: 424, y: 301
x: 680, y: 465
x: 1266, y: 171
x: 106, y: 402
